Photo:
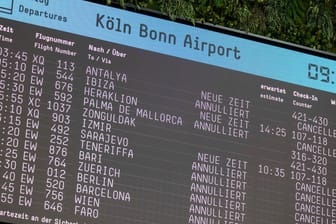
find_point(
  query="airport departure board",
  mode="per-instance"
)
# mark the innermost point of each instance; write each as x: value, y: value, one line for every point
x: 111, y: 116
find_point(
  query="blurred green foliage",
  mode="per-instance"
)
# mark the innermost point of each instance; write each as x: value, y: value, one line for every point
x: 305, y: 22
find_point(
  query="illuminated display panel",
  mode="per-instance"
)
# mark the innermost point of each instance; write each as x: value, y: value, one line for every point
x: 109, y: 116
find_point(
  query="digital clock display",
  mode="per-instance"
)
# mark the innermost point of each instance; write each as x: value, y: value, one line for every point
x: 321, y: 73
x: 110, y: 116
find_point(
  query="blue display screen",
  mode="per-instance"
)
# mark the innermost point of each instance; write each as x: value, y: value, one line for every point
x: 113, y: 116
